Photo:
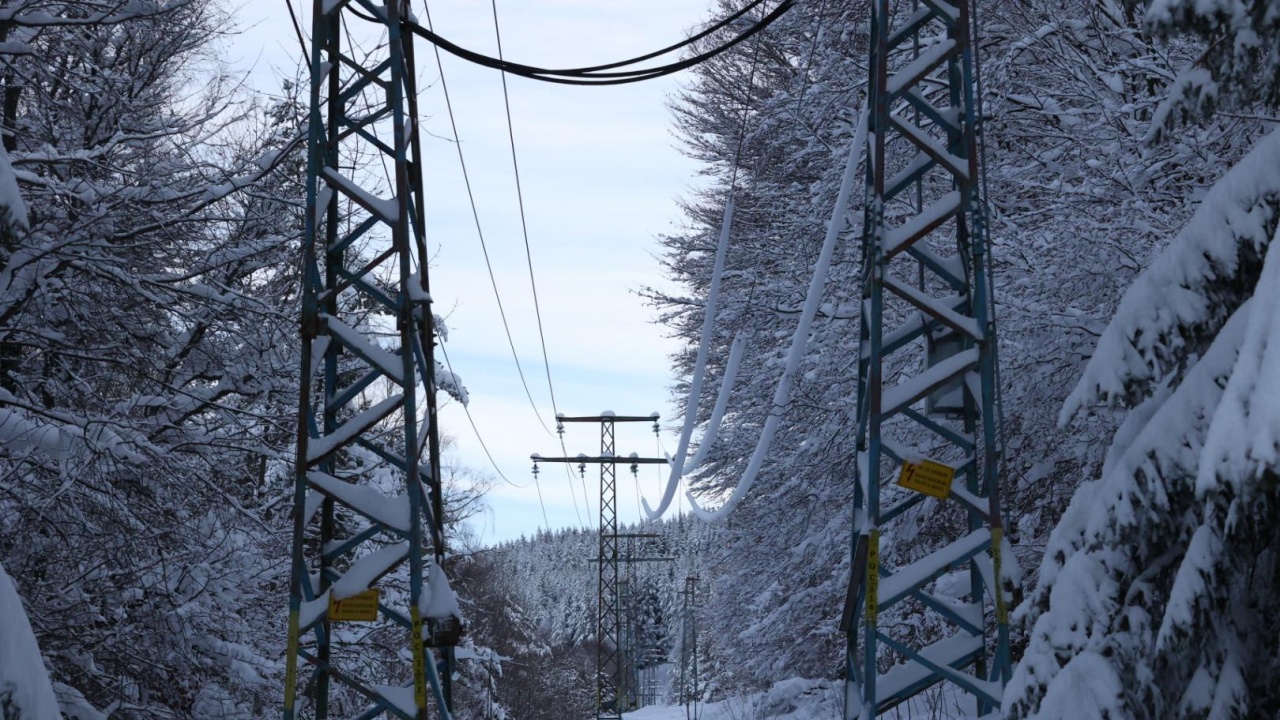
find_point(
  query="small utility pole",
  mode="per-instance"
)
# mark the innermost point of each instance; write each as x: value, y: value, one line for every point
x: 609, y: 672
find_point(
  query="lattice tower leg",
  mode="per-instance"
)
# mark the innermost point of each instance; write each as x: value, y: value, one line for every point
x: 368, y: 444
x: 927, y: 380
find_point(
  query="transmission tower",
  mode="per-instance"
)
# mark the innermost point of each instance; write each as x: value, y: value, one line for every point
x: 689, y: 685
x: 367, y: 492
x: 927, y: 395
x: 632, y: 656
x: 610, y: 671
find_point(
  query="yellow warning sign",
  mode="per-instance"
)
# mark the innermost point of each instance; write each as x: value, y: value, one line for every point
x: 419, y: 659
x: 361, y: 607
x: 928, y: 477
x: 873, y: 577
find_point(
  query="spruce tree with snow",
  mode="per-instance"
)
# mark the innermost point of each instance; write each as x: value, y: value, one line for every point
x: 1157, y: 595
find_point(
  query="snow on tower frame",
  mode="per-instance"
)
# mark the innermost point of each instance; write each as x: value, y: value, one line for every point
x: 367, y: 408
x: 926, y: 276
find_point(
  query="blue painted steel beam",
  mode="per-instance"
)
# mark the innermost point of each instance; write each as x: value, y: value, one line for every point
x: 924, y: 173
x: 364, y: 266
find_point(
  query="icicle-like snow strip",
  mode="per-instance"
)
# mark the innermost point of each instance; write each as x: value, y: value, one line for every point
x: 699, y: 368
x: 722, y: 404
x: 782, y: 395
x: 680, y: 468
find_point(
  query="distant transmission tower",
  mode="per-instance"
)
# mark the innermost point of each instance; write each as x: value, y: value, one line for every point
x: 927, y: 395
x: 611, y: 672
x: 367, y: 476
x: 690, y: 688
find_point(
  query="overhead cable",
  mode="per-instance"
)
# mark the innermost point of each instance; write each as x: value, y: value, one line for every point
x: 604, y: 74
x: 782, y: 394
x: 484, y: 248
x: 679, y: 467
x: 528, y: 256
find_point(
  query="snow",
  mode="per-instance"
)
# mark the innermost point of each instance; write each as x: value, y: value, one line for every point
x: 931, y: 217
x: 1087, y: 687
x: 912, y: 389
x: 790, y: 699
x: 24, y: 681
x: 805, y: 699
x: 956, y: 165
x: 895, y: 586
x: 365, y: 572
x: 678, y: 469
x: 318, y: 447
x: 1085, y: 565
x: 935, y: 307
x: 324, y: 196
x: 799, y: 340
x: 392, y: 511
x: 439, y: 602
x: 399, y: 697
x: 313, y: 610
x: 74, y: 705
x: 717, y: 413
x: 1244, y: 437
x: 18, y: 430
x: 387, y: 210
x: 10, y: 196
x: 386, y: 361
x: 1186, y: 294
x: 914, y: 70
x: 418, y: 295
x: 945, y: 652
x: 319, y: 346
x: 451, y: 383
x: 699, y: 369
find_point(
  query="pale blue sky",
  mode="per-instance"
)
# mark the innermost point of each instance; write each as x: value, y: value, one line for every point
x: 601, y: 175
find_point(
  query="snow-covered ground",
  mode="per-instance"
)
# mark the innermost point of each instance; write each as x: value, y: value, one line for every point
x: 799, y: 699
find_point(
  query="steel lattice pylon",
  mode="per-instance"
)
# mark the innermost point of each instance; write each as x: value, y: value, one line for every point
x: 367, y: 497
x: 611, y: 668
x: 609, y: 671
x: 928, y: 396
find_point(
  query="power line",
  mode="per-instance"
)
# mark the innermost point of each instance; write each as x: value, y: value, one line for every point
x: 528, y: 254
x: 297, y: 30
x: 483, y: 446
x: 475, y: 214
x: 594, y: 75
x: 476, y: 429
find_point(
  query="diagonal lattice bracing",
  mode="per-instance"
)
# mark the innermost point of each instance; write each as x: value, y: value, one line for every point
x: 927, y: 401
x: 367, y: 512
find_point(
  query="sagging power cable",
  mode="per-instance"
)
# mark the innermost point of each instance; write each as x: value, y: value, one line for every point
x: 606, y: 74
x: 533, y: 284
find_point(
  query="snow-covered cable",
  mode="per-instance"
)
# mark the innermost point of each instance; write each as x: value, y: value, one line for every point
x: 722, y: 403
x: 782, y: 395
x: 708, y: 438
x: 699, y: 368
